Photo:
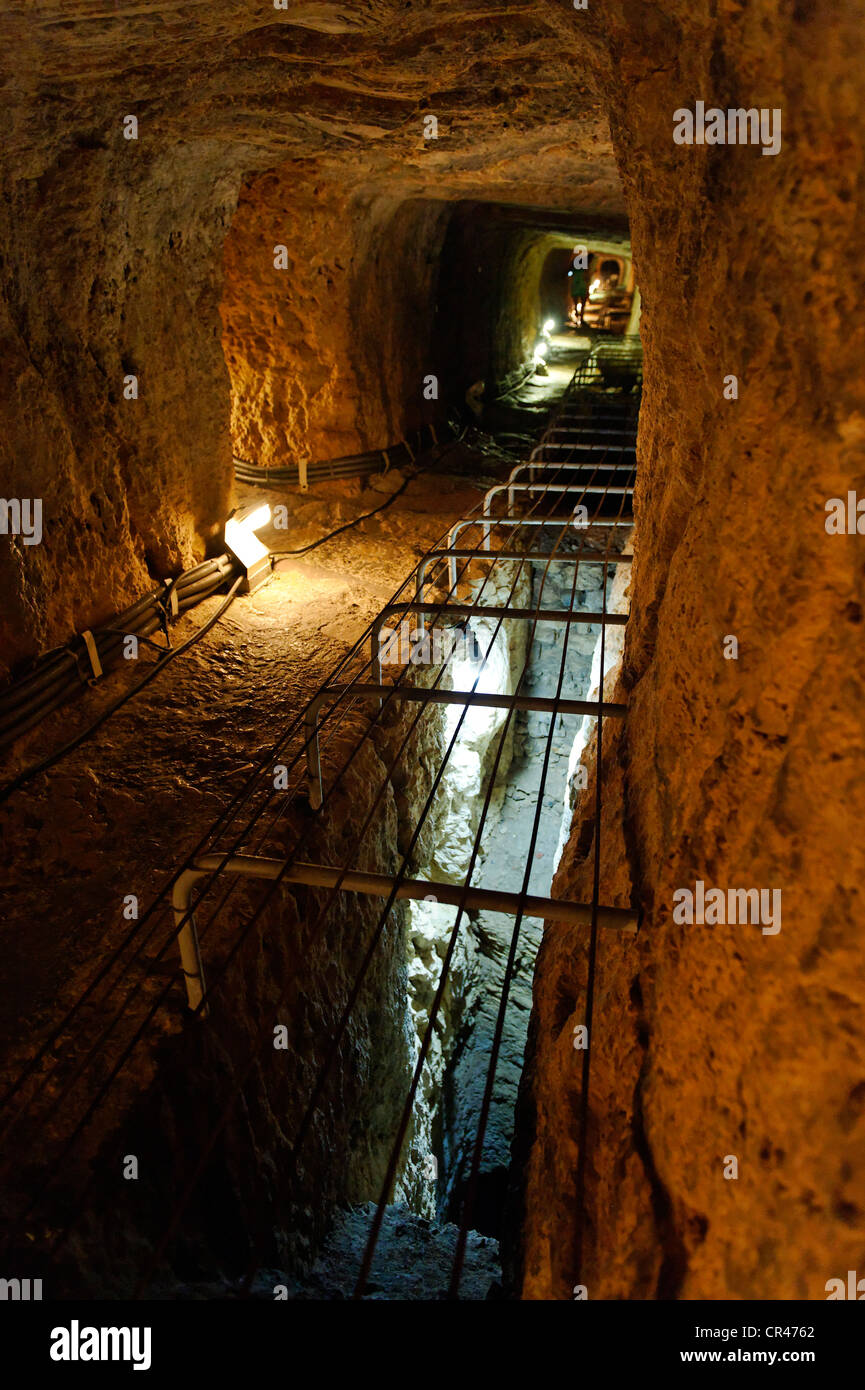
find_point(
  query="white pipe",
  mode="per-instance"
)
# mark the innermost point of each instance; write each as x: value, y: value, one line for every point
x: 377, y: 885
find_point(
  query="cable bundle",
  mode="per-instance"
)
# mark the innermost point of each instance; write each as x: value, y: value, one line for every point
x: 351, y: 466
x: 62, y: 673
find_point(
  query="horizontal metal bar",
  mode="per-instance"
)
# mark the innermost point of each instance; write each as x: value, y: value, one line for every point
x: 466, y: 553
x: 420, y: 694
x: 433, y: 695
x: 574, y: 467
x: 625, y: 428
x: 562, y: 522
x: 578, y: 431
x: 557, y: 487
x: 586, y: 448
x: 577, y: 411
x: 474, y: 610
x: 576, y: 486
x: 417, y: 889
x: 483, y: 610
x: 599, y: 523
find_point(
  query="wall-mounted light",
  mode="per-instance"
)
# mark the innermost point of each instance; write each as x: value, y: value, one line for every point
x: 540, y: 353
x: 241, y: 540
x: 549, y: 325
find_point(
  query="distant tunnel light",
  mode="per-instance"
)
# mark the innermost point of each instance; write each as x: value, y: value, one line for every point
x: 241, y: 540
x: 549, y: 325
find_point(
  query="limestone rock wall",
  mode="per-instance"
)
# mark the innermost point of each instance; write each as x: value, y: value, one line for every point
x: 112, y: 272
x: 738, y: 772
x: 717, y: 1041
x: 328, y: 357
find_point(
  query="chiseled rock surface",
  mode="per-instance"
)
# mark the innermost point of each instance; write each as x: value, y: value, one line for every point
x: 716, y: 1041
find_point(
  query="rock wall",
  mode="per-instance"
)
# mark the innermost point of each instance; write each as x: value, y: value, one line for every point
x: 718, y: 1041
x: 328, y: 355
x: 111, y: 272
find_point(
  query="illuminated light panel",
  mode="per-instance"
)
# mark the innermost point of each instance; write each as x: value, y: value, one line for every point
x: 241, y: 540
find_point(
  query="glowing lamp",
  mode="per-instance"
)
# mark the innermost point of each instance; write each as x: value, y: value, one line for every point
x: 241, y: 540
x: 540, y: 353
x: 549, y: 325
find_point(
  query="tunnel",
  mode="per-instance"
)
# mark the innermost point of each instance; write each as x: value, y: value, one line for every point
x: 432, y: 684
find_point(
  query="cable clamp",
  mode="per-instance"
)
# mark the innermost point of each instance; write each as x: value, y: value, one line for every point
x: 93, y: 652
x: 171, y: 595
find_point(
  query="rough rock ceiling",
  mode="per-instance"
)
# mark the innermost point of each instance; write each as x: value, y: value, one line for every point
x: 511, y: 85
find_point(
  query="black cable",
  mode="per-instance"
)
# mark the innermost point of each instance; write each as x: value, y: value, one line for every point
x: 256, y: 914
x: 156, y: 1003
x: 304, y: 550
x: 516, y: 387
x: 333, y: 893
x: 42, y: 766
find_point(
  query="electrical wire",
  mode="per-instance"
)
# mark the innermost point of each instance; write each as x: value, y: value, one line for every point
x: 351, y: 465
x: 305, y: 549
x: 226, y: 963
x: 266, y: 1026
x: 223, y: 821
x: 238, y: 1086
x: 244, y: 1074
x: 60, y: 674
